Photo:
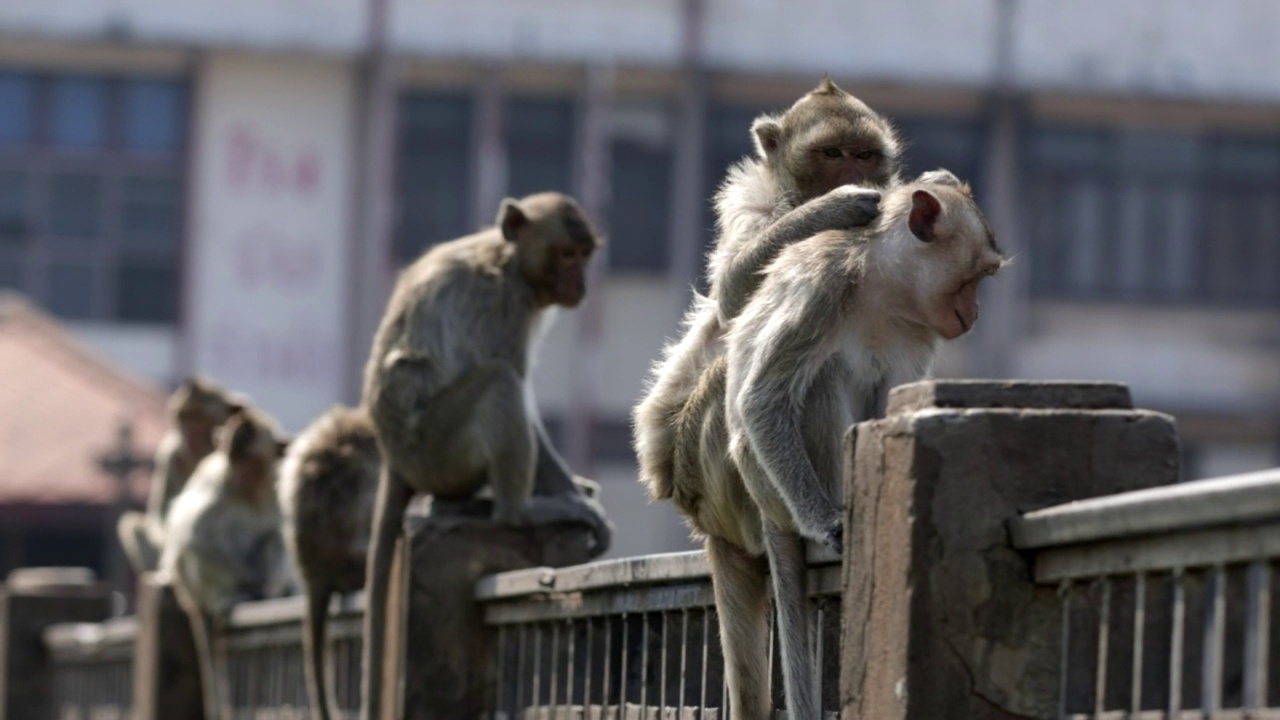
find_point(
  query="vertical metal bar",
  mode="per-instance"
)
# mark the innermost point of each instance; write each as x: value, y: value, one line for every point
x: 819, y: 621
x: 555, y: 663
x: 702, y: 698
x: 644, y: 665
x: 1257, y: 635
x: 1214, y: 640
x: 537, y: 665
x: 662, y: 663
x: 1104, y: 636
x: 1139, y: 630
x: 1064, y: 665
x: 520, y: 670
x: 684, y: 657
x: 1175, y: 643
x: 501, y: 671
x: 623, y: 685
x: 608, y: 657
x: 572, y: 664
x: 590, y: 666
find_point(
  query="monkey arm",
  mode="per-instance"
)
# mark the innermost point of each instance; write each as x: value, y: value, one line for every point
x: 847, y: 206
x: 776, y: 349
x: 164, y: 480
x: 556, y: 496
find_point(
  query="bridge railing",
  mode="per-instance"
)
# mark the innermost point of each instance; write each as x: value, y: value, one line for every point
x: 633, y: 638
x: 1168, y: 598
x: 978, y: 581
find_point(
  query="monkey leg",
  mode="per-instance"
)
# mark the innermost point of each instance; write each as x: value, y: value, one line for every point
x: 388, y: 515
x: 315, y: 650
x: 791, y: 597
x: 507, y: 439
x: 742, y: 602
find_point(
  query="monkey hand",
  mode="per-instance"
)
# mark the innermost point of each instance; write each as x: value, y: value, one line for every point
x: 850, y: 206
x: 829, y: 531
x: 834, y: 538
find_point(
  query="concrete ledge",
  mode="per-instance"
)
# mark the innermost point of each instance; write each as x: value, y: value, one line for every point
x: 1232, y: 500
x: 87, y: 638
x: 652, y: 569
x: 917, y: 396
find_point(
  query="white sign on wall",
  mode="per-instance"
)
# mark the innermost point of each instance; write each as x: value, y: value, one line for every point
x: 271, y: 216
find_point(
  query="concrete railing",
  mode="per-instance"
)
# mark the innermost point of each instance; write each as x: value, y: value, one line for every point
x: 1167, y: 598
x: 634, y: 638
x: 978, y: 581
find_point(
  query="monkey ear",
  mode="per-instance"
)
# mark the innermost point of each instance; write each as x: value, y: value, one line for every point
x: 767, y: 132
x: 511, y: 218
x: 925, y: 210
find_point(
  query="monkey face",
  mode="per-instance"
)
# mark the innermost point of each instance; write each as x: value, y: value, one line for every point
x: 567, y: 274
x: 956, y: 252
x: 826, y: 139
x: 554, y: 243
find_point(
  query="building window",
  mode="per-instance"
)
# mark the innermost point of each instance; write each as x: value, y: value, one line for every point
x: 640, y: 174
x: 91, y: 192
x: 435, y: 173
x: 540, y: 145
x: 941, y: 143
x: 1142, y: 216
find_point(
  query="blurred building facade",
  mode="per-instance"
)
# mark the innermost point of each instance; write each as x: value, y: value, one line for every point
x: 229, y: 187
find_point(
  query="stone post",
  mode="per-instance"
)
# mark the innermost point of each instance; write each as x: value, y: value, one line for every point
x: 449, y: 654
x: 941, y: 617
x: 31, y: 600
x: 166, y: 671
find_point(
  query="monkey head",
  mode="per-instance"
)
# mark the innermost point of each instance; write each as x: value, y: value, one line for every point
x: 828, y: 138
x: 947, y: 251
x: 199, y: 407
x: 253, y: 445
x: 553, y: 244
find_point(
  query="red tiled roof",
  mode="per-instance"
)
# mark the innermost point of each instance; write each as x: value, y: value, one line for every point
x: 60, y: 409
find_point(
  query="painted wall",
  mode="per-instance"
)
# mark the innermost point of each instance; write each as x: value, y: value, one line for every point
x: 1225, y: 48
x: 270, y: 211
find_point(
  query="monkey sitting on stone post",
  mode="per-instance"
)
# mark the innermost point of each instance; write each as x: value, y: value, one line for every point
x: 223, y: 542
x: 197, y: 409
x: 327, y: 485
x: 838, y: 320
x: 447, y: 386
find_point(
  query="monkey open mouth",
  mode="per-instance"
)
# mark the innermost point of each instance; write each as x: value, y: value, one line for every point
x: 964, y: 326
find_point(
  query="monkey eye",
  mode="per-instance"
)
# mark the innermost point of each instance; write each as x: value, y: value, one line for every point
x: 833, y: 152
x: 866, y: 155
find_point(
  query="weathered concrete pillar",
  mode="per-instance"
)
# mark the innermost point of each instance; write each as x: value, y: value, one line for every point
x: 31, y: 600
x: 450, y: 655
x: 941, y: 617
x: 166, y: 671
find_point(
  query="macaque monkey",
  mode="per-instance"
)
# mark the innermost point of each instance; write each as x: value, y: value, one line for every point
x: 838, y: 320
x: 328, y: 481
x: 223, y: 543
x: 817, y: 167
x: 197, y: 409
x: 448, y: 391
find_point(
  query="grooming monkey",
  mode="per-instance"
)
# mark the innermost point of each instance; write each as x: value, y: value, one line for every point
x: 447, y: 386
x: 838, y: 320
x: 816, y: 168
x: 197, y: 409
x: 223, y: 542
x: 327, y: 485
